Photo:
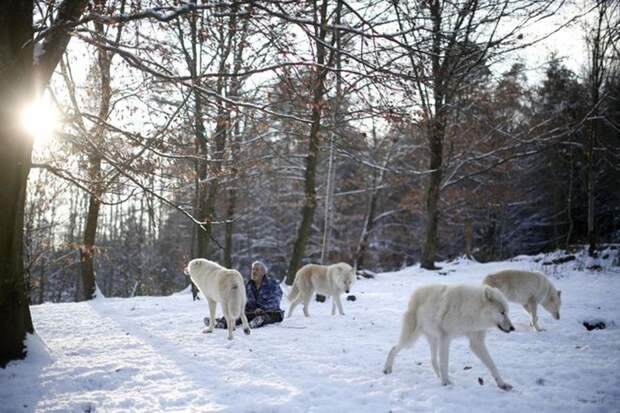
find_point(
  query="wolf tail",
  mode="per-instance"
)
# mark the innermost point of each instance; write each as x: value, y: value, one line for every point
x: 294, y: 291
x: 410, y: 324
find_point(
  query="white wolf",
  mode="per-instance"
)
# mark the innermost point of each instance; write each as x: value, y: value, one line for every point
x: 220, y: 285
x: 443, y: 312
x: 331, y: 280
x: 528, y: 289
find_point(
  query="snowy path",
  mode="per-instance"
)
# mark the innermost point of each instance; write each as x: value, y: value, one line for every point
x: 149, y: 354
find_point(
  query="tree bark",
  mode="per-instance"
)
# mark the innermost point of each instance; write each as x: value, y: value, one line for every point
x: 310, y: 202
x: 15, y: 33
x: 87, y: 249
x: 368, y: 226
x: 86, y: 286
x: 436, y: 131
x: 329, y: 194
x: 20, y: 81
x: 235, y: 140
x: 432, y: 195
x: 468, y: 236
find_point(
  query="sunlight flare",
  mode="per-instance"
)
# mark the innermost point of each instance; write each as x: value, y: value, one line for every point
x: 40, y: 119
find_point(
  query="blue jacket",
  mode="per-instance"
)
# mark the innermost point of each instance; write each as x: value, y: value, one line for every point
x: 267, y: 297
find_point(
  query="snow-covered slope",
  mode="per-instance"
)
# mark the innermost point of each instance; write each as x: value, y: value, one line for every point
x: 149, y: 354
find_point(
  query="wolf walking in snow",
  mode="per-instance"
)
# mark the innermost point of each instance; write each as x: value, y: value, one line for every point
x: 220, y: 285
x: 330, y: 280
x: 443, y: 312
x: 528, y: 289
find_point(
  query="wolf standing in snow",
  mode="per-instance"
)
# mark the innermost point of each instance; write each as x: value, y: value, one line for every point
x: 330, y: 280
x: 220, y: 285
x: 443, y: 312
x: 528, y: 289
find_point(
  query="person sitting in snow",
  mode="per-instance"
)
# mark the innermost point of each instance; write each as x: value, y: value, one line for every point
x: 263, y: 299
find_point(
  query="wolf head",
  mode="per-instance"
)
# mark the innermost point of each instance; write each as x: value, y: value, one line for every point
x: 193, y: 265
x: 553, y: 302
x: 346, y: 276
x: 495, y: 310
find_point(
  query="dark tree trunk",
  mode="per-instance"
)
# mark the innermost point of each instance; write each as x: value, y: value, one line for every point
x: 436, y: 132
x: 368, y: 226
x: 310, y: 202
x: 232, y: 202
x: 15, y: 319
x: 86, y: 286
x: 596, y: 80
x: 468, y: 235
x: 569, y: 203
x: 15, y: 88
x: 235, y: 140
x: 86, y: 290
x: 432, y: 194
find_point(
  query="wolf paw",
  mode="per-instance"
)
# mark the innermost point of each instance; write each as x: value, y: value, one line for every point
x: 446, y: 382
x: 207, y: 330
x: 246, y: 331
x: 387, y: 370
x: 505, y: 386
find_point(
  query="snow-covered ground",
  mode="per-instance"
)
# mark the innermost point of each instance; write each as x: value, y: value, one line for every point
x: 149, y: 354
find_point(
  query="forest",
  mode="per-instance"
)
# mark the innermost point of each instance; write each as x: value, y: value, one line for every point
x: 139, y: 134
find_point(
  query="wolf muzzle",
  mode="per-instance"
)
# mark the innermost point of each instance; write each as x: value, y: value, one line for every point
x: 506, y: 330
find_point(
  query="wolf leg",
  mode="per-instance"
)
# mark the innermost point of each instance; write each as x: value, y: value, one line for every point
x: 230, y: 323
x: 212, y: 305
x: 336, y: 299
x: 532, y: 308
x: 432, y: 342
x: 479, y: 348
x: 294, y: 304
x: 307, y: 298
x: 408, y: 336
x: 444, y: 358
x: 244, y: 321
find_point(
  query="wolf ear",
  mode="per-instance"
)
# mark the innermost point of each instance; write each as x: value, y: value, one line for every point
x: 487, y: 294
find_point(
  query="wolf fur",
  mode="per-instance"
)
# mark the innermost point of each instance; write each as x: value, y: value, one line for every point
x: 443, y: 312
x: 528, y: 289
x: 220, y: 285
x: 329, y: 280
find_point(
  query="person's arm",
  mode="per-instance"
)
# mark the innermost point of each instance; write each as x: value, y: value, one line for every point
x: 274, y: 296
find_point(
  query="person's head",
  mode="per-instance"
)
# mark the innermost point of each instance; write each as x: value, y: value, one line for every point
x: 258, y: 271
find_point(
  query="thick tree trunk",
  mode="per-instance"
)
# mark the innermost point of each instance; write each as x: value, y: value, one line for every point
x: 432, y: 194
x: 232, y: 201
x: 230, y: 216
x: 436, y: 132
x: 590, y: 191
x: 362, y: 246
x: 329, y: 195
x: 15, y: 151
x: 596, y: 80
x: 15, y: 319
x: 86, y: 286
x: 235, y: 140
x: 303, y: 233
x: 468, y: 235
x: 569, y: 203
x: 310, y: 202
x: 199, y: 240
